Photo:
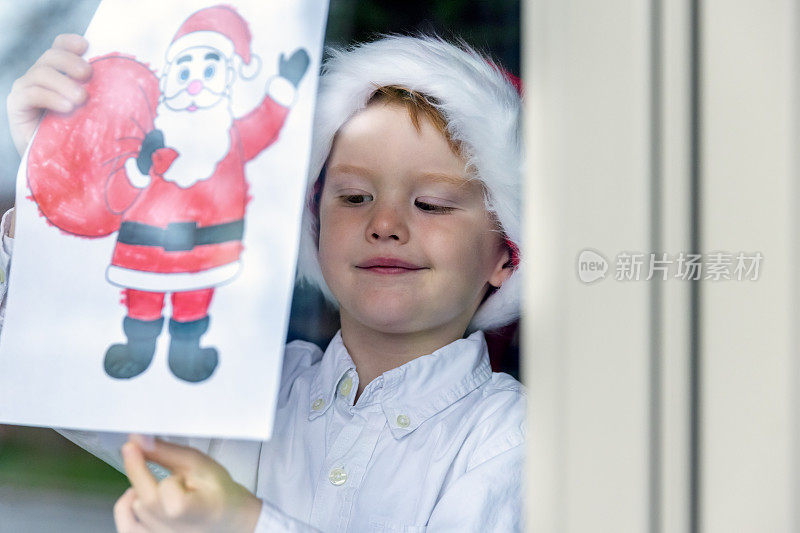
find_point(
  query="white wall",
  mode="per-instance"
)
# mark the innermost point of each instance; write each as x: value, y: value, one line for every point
x: 749, y: 197
x: 587, y: 345
x: 614, y: 145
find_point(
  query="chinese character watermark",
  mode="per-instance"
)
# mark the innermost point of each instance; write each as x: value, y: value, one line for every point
x: 638, y: 266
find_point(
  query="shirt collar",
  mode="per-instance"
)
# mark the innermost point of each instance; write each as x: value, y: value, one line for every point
x: 335, y: 363
x: 414, y: 392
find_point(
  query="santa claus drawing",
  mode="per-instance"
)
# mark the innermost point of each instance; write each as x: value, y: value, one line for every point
x: 172, y: 180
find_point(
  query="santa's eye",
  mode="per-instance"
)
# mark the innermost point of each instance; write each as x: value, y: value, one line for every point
x: 430, y: 207
x: 183, y: 75
x: 208, y: 73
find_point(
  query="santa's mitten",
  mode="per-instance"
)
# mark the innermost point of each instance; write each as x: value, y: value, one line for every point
x: 153, y: 141
x: 76, y: 163
x: 294, y: 68
x: 156, y: 163
x: 138, y: 168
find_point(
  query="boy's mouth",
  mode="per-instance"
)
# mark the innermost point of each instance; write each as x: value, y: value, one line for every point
x: 388, y: 265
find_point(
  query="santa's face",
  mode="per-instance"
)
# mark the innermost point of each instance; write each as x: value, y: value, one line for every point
x: 197, y: 78
x: 195, y: 99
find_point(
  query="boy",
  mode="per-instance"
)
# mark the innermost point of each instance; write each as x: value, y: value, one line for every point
x: 412, y: 229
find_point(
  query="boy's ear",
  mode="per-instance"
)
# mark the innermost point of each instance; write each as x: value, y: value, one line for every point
x: 502, y: 269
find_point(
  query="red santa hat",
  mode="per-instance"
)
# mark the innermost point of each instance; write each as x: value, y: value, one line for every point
x: 221, y: 27
x: 482, y: 110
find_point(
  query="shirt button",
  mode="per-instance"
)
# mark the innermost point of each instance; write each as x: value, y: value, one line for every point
x: 337, y: 476
x: 403, y: 421
x: 347, y: 384
x: 318, y: 404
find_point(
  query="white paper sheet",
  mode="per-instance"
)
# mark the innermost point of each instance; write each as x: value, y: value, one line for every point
x: 63, y: 314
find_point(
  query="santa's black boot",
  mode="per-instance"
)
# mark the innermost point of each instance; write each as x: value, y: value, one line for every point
x: 187, y: 359
x: 125, y: 361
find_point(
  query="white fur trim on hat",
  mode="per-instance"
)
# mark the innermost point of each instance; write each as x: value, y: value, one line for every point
x: 248, y: 71
x: 211, y: 39
x: 482, y: 110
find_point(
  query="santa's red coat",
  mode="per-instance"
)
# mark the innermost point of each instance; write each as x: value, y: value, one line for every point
x: 77, y: 178
x: 219, y: 199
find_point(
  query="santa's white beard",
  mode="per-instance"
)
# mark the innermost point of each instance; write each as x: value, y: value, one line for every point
x: 200, y: 137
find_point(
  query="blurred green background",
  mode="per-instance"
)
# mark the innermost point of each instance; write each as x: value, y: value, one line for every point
x: 45, y: 480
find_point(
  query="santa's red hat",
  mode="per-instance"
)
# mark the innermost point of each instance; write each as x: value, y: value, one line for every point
x: 482, y: 111
x: 222, y: 28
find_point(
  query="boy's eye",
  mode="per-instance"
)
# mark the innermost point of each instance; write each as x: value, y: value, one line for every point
x: 430, y: 207
x: 356, y: 199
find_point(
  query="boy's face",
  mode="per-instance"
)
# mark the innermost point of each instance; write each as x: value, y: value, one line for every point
x: 406, y: 244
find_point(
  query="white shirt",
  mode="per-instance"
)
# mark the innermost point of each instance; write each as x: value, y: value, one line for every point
x: 433, y: 445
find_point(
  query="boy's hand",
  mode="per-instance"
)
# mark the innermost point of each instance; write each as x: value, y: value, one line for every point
x: 51, y: 84
x: 199, y: 495
x: 12, y: 226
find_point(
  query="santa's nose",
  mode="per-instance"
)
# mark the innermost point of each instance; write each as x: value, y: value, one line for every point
x: 195, y: 87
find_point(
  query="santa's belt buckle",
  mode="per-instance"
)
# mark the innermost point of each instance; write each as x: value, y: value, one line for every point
x: 179, y: 236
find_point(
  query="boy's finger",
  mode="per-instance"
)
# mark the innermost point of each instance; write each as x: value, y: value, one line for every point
x: 176, y: 500
x: 72, y: 42
x: 53, y: 80
x: 178, y: 458
x: 38, y: 98
x: 124, y: 518
x: 145, y: 442
x: 149, y: 518
x: 74, y: 66
x: 143, y: 481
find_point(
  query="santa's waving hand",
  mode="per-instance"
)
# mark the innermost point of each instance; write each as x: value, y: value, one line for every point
x: 293, y: 68
x: 182, y: 234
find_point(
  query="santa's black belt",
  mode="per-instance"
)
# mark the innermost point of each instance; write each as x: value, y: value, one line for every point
x: 179, y: 236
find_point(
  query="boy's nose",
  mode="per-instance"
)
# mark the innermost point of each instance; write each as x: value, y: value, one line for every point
x: 387, y: 224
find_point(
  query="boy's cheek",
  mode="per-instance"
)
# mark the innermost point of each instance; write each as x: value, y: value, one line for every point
x: 332, y: 245
x: 334, y: 261
x: 453, y: 243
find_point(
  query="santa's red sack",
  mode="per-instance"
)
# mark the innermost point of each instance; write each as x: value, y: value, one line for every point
x: 76, y: 162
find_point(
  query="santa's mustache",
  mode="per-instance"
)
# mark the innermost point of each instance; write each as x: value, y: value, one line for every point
x: 203, y: 90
